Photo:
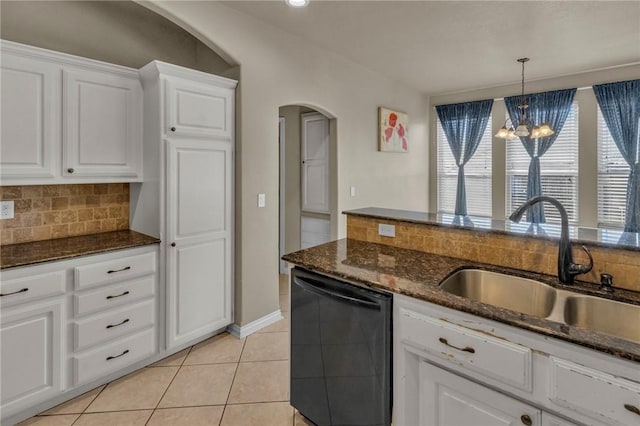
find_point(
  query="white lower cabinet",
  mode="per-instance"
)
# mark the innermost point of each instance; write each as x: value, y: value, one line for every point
x: 450, y: 400
x: 67, y: 324
x: 32, y: 344
x: 551, y: 420
x: 456, y: 369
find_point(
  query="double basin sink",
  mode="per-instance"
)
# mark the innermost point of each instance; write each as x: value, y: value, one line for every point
x: 540, y: 300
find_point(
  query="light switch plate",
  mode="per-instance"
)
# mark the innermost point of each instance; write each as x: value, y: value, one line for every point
x: 262, y: 200
x: 353, y: 191
x: 387, y: 230
x: 6, y: 210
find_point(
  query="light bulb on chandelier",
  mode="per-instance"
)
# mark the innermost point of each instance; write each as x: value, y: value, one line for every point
x: 525, y: 128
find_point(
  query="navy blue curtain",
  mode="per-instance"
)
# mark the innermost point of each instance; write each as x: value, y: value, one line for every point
x: 620, y: 106
x: 464, y: 124
x: 553, y: 109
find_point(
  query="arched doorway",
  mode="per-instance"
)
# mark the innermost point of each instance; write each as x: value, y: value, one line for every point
x: 308, y: 178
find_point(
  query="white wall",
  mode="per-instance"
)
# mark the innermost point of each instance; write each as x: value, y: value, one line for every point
x: 119, y: 32
x: 278, y: 69
x: 587, y: 131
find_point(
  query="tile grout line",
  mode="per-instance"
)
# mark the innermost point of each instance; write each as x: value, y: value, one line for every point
x: 169, y: 385
x: 89, y: 404
x: 233, y: 380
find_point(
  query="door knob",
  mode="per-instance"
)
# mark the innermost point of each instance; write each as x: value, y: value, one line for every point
x: 173, y: 244
x: 173, y: 129
x: 70, y: 170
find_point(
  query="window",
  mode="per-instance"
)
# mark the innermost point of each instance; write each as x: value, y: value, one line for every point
x: 558, y: 170
x: 477, y: 174
x: 613, y: 172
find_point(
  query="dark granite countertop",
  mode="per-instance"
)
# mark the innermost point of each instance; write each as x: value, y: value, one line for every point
x: 25, y: 254
x: 610, y: 238
x: 418, y: 274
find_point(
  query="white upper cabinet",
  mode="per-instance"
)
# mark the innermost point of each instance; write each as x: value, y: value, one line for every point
x: 197, y: 109
x: 102, y: 124
x: 67, y: 119
x: 30, y: 117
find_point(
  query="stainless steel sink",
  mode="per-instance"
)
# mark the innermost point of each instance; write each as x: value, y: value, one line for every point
x: 541, y: 300
x: 606, y: 316
x: 505, y: 291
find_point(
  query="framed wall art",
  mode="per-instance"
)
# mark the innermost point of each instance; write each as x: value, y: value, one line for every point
x: 393, y: 133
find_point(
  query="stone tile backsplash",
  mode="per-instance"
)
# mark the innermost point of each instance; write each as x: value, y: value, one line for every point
x: 516, y: 252
x: 44, y: 212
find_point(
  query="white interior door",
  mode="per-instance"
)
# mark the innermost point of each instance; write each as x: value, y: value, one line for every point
x: 199, y: 236
x: 315, y: 163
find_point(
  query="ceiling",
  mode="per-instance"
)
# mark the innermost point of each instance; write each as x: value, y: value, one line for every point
x: 447, y: 46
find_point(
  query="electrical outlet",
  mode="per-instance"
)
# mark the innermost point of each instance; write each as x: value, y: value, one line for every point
x: 262, y: 200
x: 353, y: 191
x: 6, y: 209
x: 387, y: 230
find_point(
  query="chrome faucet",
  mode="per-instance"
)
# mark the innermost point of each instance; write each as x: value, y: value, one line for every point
x: 567, y: 270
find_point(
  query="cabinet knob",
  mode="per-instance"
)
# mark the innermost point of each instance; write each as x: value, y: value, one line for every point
x: 70, y: 170
x: 526, y: 420
x: 173, y: 129
x: 173, y: 244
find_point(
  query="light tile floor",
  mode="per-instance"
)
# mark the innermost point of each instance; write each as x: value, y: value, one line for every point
x: 221, y: 381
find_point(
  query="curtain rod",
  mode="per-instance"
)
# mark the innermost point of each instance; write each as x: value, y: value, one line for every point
x: 579, y: 88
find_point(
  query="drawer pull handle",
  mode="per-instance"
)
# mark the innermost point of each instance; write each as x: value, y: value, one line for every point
x: 526, y: 420
x: 14, y: 292
x: 126, y: 351
x: 465, y: 349
x: 120, y: 323
x: 126, y: 268
x: 118, y: 295
x: 632, y: 408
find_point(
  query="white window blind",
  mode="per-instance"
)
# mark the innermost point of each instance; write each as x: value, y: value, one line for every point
x: 558, y: 171
x: 477, y: 174
x: 613, y: 172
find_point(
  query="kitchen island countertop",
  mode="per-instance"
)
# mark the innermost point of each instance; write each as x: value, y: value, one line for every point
x: 417, y: 274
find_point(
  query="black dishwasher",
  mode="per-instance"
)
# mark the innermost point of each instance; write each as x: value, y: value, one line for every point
x: 340, y: 351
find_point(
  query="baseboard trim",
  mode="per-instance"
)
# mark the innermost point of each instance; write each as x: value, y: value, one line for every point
x: 243, y: 331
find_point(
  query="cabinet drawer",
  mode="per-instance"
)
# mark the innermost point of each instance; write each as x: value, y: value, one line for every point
x: 20, y: 290
x: 113, y: 324
x: 88, y: 276
x: 114, y: 295
x: 583, y: 390
x: 114, y: 356
x: 490, y: 356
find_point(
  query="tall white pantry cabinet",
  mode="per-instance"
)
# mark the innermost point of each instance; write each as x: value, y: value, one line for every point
x: 187, y: 197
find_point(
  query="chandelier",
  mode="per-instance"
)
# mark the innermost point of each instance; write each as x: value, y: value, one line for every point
x: 525, y: 126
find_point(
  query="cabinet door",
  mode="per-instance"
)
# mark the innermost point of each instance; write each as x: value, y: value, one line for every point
x: 30, y: 337
x: 315, y: 163
x: 450, y: 400
x: 196, y: 109
x: 550, y: 420
x: 199, y: 215
x: 30, y: 118
x: 102, y: 128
